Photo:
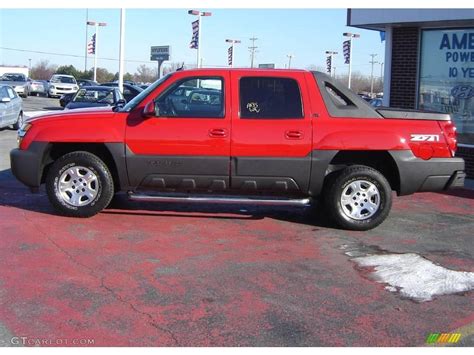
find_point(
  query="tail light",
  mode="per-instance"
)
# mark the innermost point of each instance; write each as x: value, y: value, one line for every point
x: 449, y: 131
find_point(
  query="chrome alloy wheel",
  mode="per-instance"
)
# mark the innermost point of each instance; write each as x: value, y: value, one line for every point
x: 78, y: 186
x: 360, y: 200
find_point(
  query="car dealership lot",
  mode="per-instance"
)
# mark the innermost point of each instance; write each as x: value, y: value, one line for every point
x: 173, y: 274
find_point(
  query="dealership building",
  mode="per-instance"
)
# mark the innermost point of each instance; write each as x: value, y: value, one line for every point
x: 429, y: 63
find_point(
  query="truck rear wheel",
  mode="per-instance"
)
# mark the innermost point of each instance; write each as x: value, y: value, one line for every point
x: 359, y: 198
x: 79, y: 184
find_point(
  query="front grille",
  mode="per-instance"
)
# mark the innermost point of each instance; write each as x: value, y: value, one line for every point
x: 64, y: 89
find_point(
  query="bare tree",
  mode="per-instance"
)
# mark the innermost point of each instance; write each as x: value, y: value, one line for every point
x: 172, y: 67
x: 42, y: 70
x: 145, y: 74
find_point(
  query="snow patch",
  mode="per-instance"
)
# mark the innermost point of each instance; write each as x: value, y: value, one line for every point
x: 416, y: 277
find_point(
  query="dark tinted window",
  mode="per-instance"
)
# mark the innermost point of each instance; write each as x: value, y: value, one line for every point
x: 267, y: 97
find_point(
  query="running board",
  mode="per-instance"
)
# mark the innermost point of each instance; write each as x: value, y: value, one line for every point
x: 220, y: 199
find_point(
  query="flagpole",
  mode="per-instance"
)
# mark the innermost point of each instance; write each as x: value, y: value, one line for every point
x: 199, y: 41
x: 351, y: 36
x: 87, y: 40
x: 232, y: 57
x: 122, y: 49
x: 96, y: 47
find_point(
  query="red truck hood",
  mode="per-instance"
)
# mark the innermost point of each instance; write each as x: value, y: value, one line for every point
x: 97, y: 112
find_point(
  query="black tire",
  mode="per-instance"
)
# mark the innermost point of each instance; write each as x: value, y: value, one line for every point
x: 338, y: 185
x: 19, y: 121
x: 105, y: 189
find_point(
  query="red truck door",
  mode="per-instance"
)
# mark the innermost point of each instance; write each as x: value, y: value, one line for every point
x: 271, y: 132
x: 187, y: 145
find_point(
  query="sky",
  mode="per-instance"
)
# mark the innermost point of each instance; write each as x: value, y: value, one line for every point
x: 304, y: 33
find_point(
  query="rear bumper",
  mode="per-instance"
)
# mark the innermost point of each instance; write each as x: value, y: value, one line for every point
x: 27, y: 165
x: 436, y: 174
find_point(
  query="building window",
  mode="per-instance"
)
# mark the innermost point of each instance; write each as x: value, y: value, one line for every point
x: 447, y: 77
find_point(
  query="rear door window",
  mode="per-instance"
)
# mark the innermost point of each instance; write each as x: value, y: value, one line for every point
x: 270, y: 97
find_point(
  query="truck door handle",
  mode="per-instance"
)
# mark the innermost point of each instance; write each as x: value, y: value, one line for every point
x: 218, y: 133
x: 294, y: 135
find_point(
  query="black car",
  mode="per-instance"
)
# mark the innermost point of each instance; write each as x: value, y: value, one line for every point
x: 95, y: 96
x: 86, y: 82
x: 129, y: 91
x: 64, y: 99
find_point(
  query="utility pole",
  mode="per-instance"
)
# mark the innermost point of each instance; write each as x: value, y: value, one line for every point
x: 290, y: 56
x: 122, y: 49
x: 351, y: 45
x: 372, y: 62
x: 199, y: 14
x: 381, y: 71
x: 29, y: 66
x: 96, y: 25
x: 253, y: 50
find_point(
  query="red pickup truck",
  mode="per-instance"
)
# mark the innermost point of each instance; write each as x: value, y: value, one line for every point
x: 280, y: 137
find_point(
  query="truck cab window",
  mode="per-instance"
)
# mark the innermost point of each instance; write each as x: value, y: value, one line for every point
x: 193, y: 98
x: 270, y: 97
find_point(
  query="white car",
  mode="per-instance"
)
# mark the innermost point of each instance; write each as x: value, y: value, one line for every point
x: 11, y: 108
x: 61, y: 84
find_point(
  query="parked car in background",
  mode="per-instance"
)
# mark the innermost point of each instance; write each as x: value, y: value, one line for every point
x: 11, y: 108
x: 96, y: 96
x: 376, y: 102
x: 37, y: 88
x: 62, y: 84
x: 87, y: 82
x: 129, y: 91
x: 144, y: 86
x: 18, y: 82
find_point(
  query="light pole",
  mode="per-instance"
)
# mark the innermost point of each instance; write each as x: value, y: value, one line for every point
x: 199, y: 14
x: 351, y: 36
x: 87, y: 39
x: 290, y: 56
x: 29, y: 64
x: 96, y: 25
x: 372, y: 74
x: 232, y: 41
x: 331, y: 54
x: 122, y: 49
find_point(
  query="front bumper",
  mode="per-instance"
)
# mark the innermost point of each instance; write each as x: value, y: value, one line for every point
x: 27, y: 165
x: 20, y: 90
x: 59, y: 92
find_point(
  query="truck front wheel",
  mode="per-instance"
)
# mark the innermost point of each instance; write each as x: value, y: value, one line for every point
x: 79, y: 184
x: 359, y: 198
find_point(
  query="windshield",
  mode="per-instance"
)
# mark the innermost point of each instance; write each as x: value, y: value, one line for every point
x: 63, y: 80
x: 13, y: 77
x: 137, y: 99
x: 95, y: 96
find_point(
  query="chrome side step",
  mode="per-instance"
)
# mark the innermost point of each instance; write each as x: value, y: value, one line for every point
x: 220, y: 199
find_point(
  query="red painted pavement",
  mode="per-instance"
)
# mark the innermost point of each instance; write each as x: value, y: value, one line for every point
x: 174, y: 275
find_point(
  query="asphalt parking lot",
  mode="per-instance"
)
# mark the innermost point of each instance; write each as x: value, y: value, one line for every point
x: 40, y: 103
x: 190, y: 275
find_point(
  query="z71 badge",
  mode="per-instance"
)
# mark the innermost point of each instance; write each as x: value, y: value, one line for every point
x: 424, y: 138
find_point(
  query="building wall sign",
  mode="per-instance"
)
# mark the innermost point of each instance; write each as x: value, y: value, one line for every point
x: 447, y: 77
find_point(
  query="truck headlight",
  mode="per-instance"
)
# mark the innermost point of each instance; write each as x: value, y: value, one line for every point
x: 22, y: 132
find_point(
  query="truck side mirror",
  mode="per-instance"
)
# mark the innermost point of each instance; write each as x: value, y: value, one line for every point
x: 149, y: 110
